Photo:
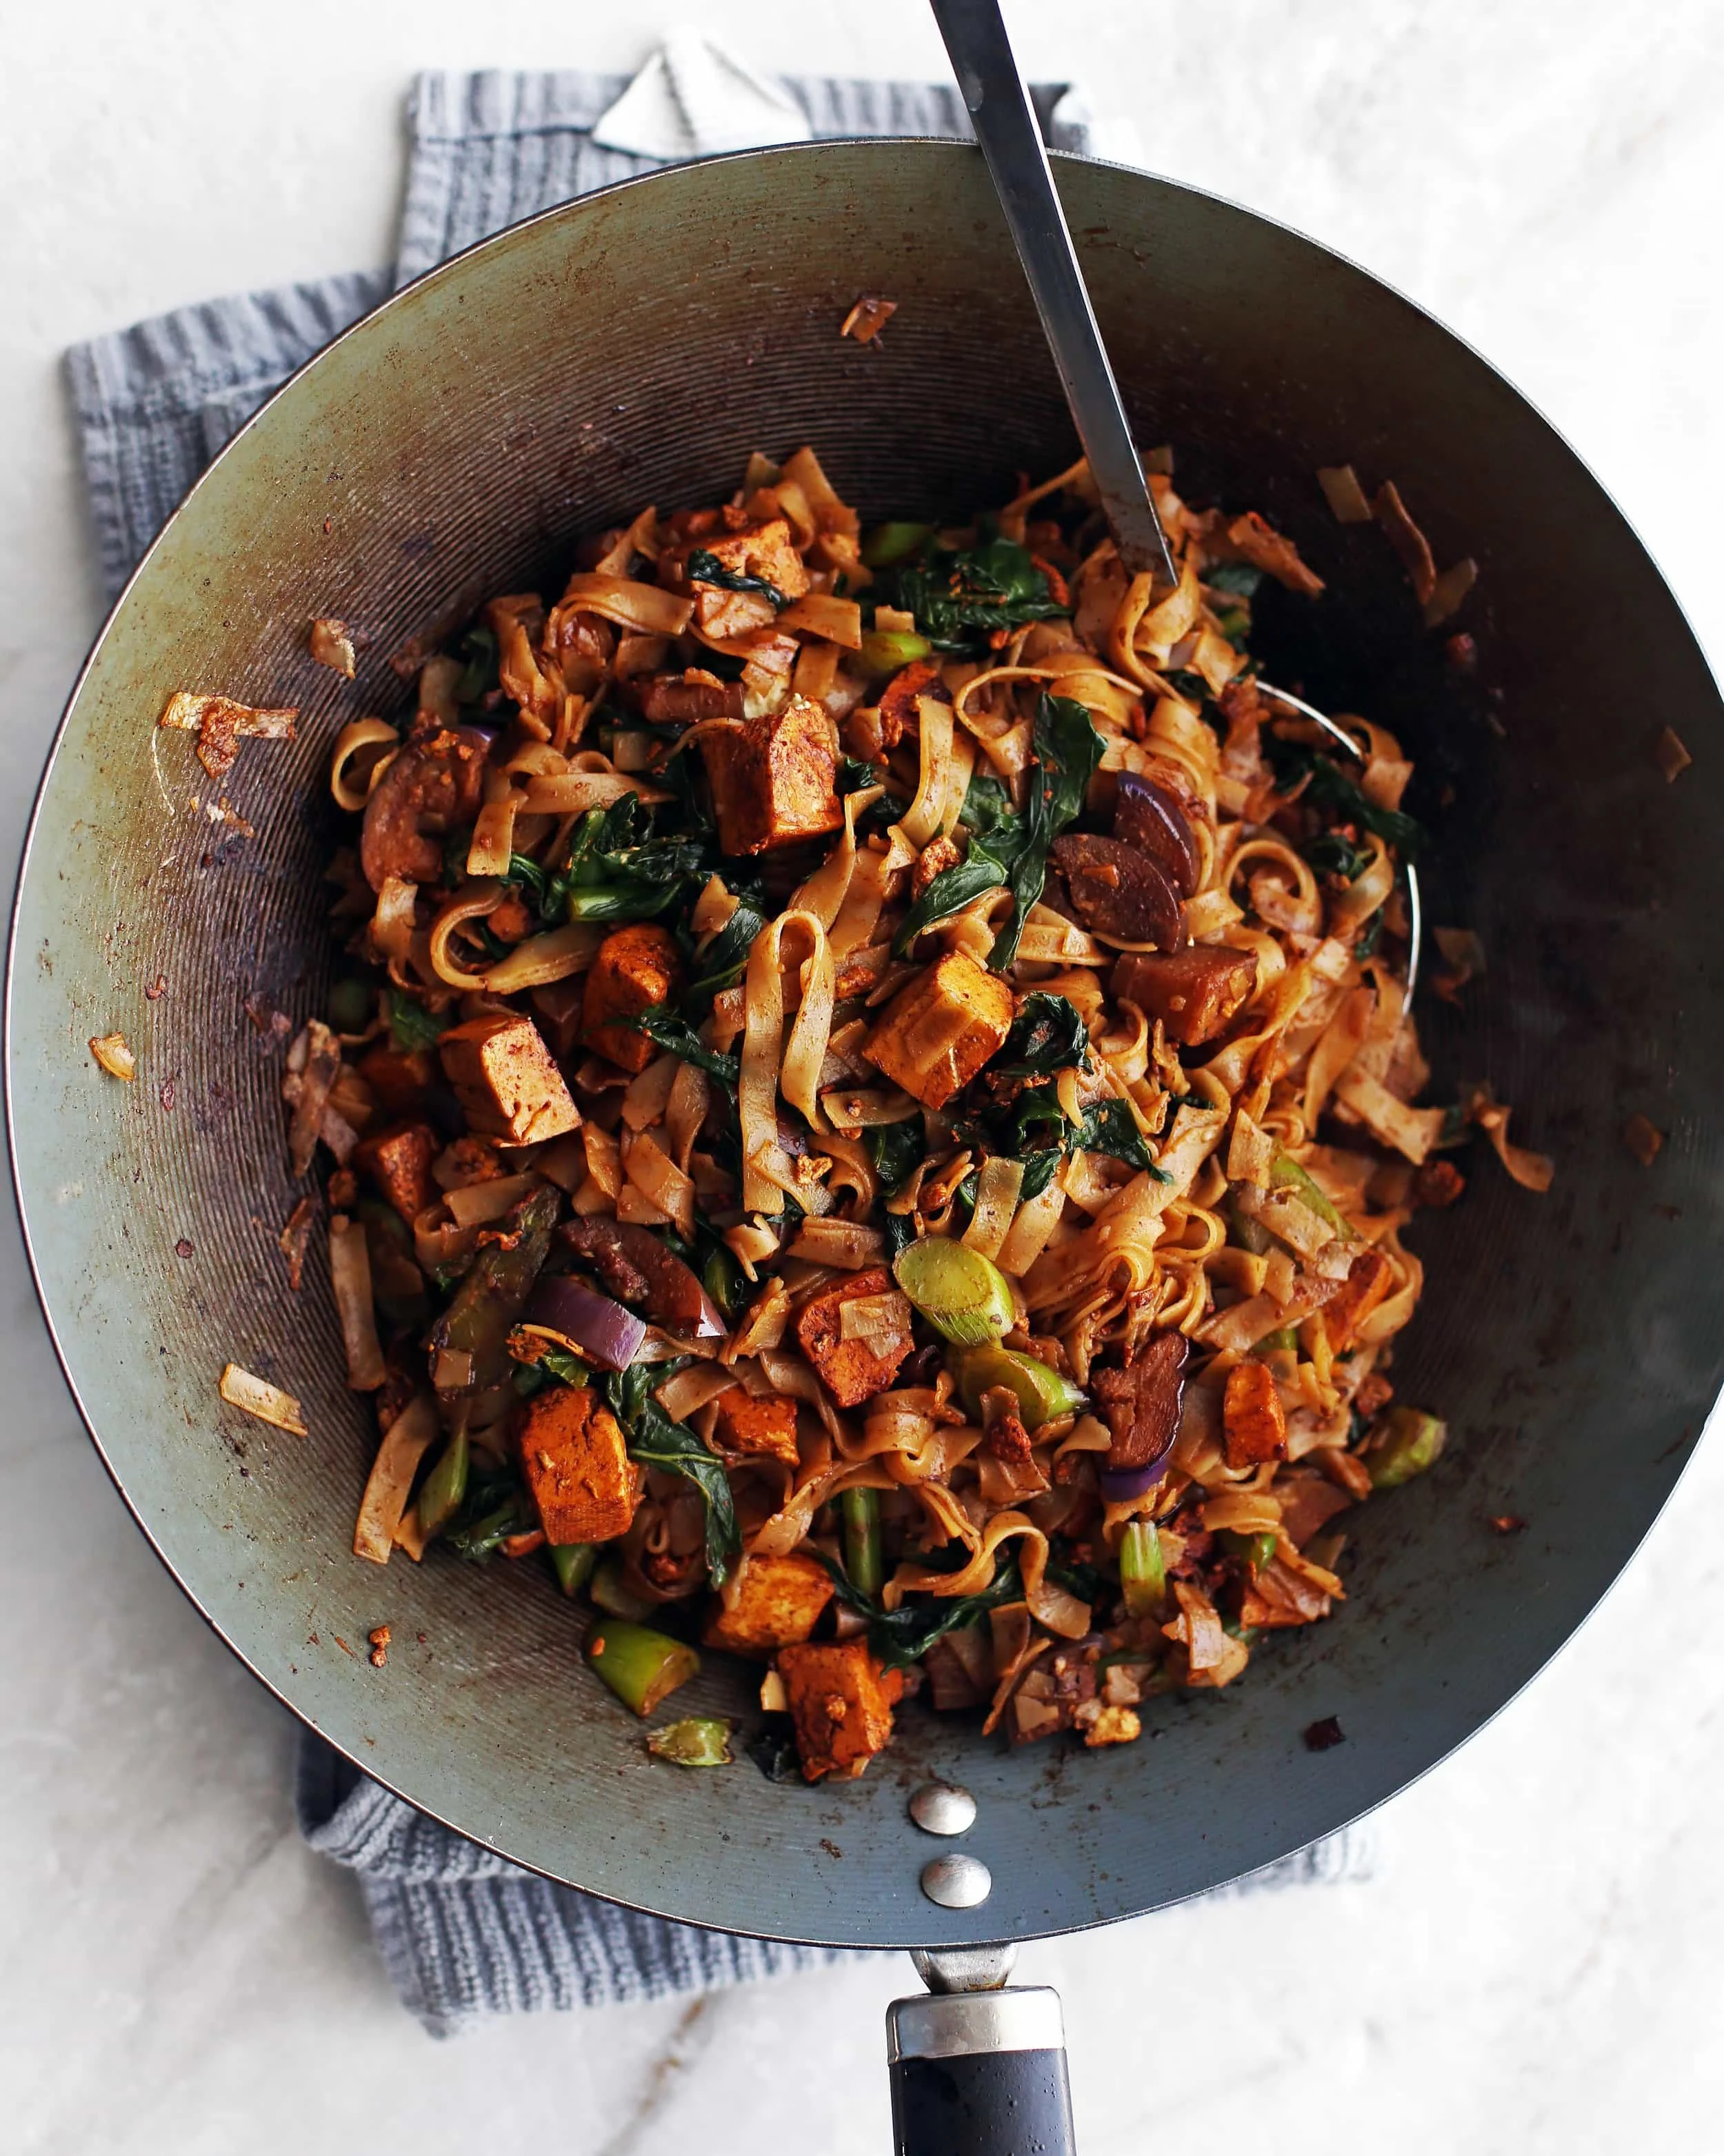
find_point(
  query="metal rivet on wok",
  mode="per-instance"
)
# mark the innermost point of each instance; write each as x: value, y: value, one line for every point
x: 956, y: 1881
x: 942, y: 1807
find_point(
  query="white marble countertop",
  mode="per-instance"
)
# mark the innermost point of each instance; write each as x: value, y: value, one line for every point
x: 1537, y: 1964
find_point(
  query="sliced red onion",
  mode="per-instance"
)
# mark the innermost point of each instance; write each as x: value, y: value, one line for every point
x: 1120, y: 1486
x: 590, y: 1324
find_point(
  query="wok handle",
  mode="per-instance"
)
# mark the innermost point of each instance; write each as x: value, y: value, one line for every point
x: 979, y: 2073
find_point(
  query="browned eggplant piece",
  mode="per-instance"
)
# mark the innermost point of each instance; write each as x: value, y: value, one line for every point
x: 1141, y: 1404
x: 1148, y: 817
x: 636, y: 1267
x: 683, y: 699
x: 1119, y: 891
x: 1194, y: 992
x: 432, y: 786
x: 898, y: 699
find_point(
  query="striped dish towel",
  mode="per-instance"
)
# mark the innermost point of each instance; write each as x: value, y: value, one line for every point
x: 462, y: 1932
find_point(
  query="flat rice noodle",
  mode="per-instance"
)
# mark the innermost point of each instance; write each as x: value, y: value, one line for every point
x: 997, y: 1189
x: 354, y: 738
x: 1335, y: 1050
x: 646, y: 608
x: 1408, y: 542
x: 648, y: 1098
x: 350, y: 1277
x: 1412, y: 1132
x: 537, y: 961
x: 653, y: 1173
x: 573, y: 792
x: 765, y: 1166
x: 818, y: 614
x: 843, y: 1243
x: 489, y: 849
x: 1532, y: 1171
x: 473, y: 1204
x: 825, y: 891
x: 1238, y: 1329
x: 404, y: 1444
x: 392, y: 929
x: 921, y: 820
x: 474, y: 902
x: 1348, y: 501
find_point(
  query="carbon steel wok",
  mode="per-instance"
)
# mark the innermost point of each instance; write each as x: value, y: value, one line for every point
x: 635, y: 346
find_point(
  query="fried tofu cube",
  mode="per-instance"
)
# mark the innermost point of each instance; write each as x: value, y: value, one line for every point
x: 1194, y: 992
x: 557, y: 1012
x: 1368, y: 1280
x: 938, y: 1031
x: 774, y: 780
x: 1254, y: 1426
x: 398, y: 1161
x: 506, y: 1081
x: 841, y: 1702
x: 851, y: 1370
x: 635, y: 968
x: 757, y: 1427
x: 577, y: 1466
x: 767, y: 551
x: 778, y: 1603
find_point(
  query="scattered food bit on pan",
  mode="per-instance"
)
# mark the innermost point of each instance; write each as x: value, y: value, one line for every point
x: 1643, y: 1138
x: 155, y: 989
x: 1325, y: 1735
x: 1345, y: 497
x: 183, y: 1248
x: 1462, y: 652
x: 110, y: 1050
x: 700, y: 1741
x: 1508, y: 1523
x: 1463, y: 961
x: 293, y: 1238
x: 331, y: 643
x: 224, y: 812
x: 167, y: 1093
x: 258, y: 1397
x: 220, y: 724
x: 1408, y: 542
x: 868, y: 318
x: 378, y: 1642
x: 1672, y: 754
x: 273, y: 1024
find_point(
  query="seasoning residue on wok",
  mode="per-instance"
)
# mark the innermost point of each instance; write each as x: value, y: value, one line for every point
x: 874, y: 1120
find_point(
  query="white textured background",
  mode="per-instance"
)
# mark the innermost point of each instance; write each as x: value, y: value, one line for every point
x: 1538, y: 1966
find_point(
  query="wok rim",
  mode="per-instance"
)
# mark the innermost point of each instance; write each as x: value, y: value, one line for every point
x: 451, y: 268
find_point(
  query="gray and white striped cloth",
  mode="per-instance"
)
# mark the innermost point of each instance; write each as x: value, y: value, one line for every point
x: 462, y: 1932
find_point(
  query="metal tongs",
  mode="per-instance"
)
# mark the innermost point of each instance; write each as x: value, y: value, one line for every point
x: 1011, y: 141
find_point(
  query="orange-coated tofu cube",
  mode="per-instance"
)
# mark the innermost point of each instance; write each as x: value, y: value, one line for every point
x: 851, y: 1370
x: 938, y: 1031
x: 774, y: 780
x: 577, y: 1466
x: 505, y: 1078
x: 1252, y: 1423
x: 841, y: 1702
x: 1368, y: 1280
x: 398, y: 1161
x: 636, y: 968
x: 765, y: 551
x: 748, y: 1425
x: 777, y: 1604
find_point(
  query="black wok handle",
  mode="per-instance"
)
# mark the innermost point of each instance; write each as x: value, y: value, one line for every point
x: 979, y: 2073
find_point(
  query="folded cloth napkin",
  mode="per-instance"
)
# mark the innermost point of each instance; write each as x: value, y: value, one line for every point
x: 462, y: 1932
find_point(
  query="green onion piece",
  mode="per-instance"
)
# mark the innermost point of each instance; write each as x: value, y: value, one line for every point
x: 1284, y: 1337
x: 964, y: 1296
x: 445, y: 1487
x: 351, y: 1004
x: 610, y: 1592
x: 863, y: 1560
x: 641, y: 1666
x: 703, y: 1740
x: 1286, y: 1175
x: 1257, y: 1550
x: 572, y: 1562
x: 1249, y: 1233
x: 1043, y: 1394
x: 1143, y: 1574
x: 884, y: 651
x: 1411, y: 1443
x: 893, y: 541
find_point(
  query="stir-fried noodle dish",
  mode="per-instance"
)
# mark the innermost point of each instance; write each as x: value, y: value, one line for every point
x: 872, y: 1109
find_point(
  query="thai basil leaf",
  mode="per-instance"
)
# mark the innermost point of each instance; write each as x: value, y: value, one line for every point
x: 1039, y: 1169
x: 1332, y: 854
x: 413, y: 1030
x: 706, y: 568
x: 1330, y: 787
x: 897, y: 1150
x: 1047, y: 1036
x: 1108, y: 1126
x: 951, y: 889
x: 495, y: 1507
x: 668, y: 1029
x: 726, y: 956
x: 903, y: 1636
x: 1241, y: 579
x: 959, y: 598
x: 987, y: 802
x: 656, y: 1441
x: 853, y: 773
x: 478, y: 648
x: 1068, y: 753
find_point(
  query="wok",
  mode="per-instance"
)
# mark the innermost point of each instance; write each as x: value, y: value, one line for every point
x: 635, y: 346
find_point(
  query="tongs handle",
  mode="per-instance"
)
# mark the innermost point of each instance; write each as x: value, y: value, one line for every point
x: 1005, y: 124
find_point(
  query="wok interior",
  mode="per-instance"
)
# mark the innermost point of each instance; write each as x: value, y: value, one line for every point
x: 635, y: 348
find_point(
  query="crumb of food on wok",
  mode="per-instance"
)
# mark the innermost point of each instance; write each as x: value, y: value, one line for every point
x: 1672, y: 754
x: 258, y: 1397
x: 1325, y: 1735
x: 1508, y: 1523
x: 293, y: 1238
x: 111, y: 1051
x: 868, y: 318
x: 378, y: 1642
x: 1643, y: 1138
x: 804, y: 1167
x: 220, y: 724
x: 331, y: 646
